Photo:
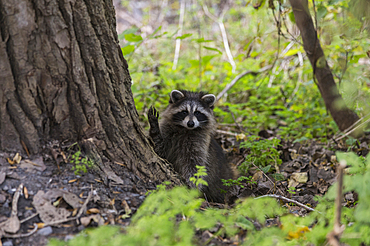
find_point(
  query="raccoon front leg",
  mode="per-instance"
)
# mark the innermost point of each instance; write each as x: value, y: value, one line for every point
x: 155, y: 132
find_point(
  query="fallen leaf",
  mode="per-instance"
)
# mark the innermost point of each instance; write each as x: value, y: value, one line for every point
x: 300, y: 177
x: 73, y: 200
x: 35, y: 164
x: 25, y: 191
x: 40, y: 225
x: 112, y: 202
x: 126, y: 207
x: 17, y: 158
x: 93, y: 211
x: 47, y: 212
x: 72, y: 180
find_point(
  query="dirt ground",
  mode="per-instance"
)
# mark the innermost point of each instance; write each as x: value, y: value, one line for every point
x: 61, y: 203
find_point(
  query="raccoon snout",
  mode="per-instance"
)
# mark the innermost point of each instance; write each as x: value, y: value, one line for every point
x: 191, y: 124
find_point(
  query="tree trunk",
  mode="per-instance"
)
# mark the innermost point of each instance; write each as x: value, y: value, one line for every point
x: 63, y: 77
x: 343, y: 116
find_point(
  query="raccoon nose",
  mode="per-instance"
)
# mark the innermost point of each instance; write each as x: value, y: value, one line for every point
x: 191, y: 124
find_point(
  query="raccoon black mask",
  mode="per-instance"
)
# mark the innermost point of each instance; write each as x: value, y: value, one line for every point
x: 191, y: 110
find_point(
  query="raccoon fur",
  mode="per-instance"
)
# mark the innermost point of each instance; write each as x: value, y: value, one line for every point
x: 184, y: 137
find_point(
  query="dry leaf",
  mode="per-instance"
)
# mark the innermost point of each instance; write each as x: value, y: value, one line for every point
x: 17, y: 158
x: 25, y: 191
x: 72, y: 180
x: 40, y: 225
x: 10, y: 161
x: 74, y: 212
x: 47, y: 212
x: 112, y: 202
x: 93, y: 211
x: 126, y: 207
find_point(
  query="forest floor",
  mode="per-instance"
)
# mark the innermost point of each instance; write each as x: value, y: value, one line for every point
x: 61, y: 203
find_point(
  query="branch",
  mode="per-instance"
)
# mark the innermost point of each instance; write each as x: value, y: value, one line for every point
x: 233, y: 82
x: 287, y: 200
x: 178, y: 41
x: 224, y: 35
x: 334, y: 236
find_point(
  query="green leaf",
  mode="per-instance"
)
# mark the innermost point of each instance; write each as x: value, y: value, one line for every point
x: 202, y: 40
x: 127, y: 31
x: 133, y: 37
x: 184, y: 36
x: 266, y: 169
x: 127, y: 49
x: 213, y: 49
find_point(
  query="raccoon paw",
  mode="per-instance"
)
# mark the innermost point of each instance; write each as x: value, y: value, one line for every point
x: 153, y: 117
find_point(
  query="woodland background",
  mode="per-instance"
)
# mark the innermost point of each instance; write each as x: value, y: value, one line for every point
x: 273, y: 123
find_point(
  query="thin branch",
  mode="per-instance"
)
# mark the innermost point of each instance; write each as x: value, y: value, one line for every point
x: 178, y: 41
x: 334, y: 236
x: 353, y: 127
x: 238, y: 77
x: 287, y: 200
x: 21, y: 235
x: 224, y: 35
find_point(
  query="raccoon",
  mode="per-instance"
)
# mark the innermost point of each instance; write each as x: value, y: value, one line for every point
x: 184, y: 137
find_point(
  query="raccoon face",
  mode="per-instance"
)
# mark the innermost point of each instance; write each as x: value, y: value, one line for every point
x: 191, y: 110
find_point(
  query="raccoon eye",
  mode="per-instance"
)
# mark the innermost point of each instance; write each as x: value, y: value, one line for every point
x: 196, y: 113
x: 184, y: 112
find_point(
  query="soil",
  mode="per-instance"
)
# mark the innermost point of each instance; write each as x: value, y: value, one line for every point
x: 53, y: 192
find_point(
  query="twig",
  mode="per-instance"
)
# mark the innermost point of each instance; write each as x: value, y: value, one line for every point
x: 227, y: 133
x: 349, y: 131
x: 334, y: 236
x: 233, y: 82
x: 267, y: 177
x: 223, y: 33
x: 300, y: 60
x: 21, y: 235
x: 178, y: 41
x: 28, y: 218
x: 287, y: 200
x: 15, y: 200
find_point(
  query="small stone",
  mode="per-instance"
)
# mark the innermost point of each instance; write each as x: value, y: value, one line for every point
x: 65, y: 181
x: 68, y: 237
x: 45, y: 231
x: 2, y: 198
x: 12, y: 191
x: 5, y: 188
x: 8, y: 243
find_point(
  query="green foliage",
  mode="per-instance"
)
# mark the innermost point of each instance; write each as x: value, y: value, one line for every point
x: 172, y: 217
x: 197, y: 179
x: 262, y: 153
x: 80, y: 163
x: 241, y: 181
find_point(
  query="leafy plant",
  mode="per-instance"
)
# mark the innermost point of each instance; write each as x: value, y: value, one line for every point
x: 197, y: 179
x: 241, y: 181
x: 80, y: 163
x: 262, y: 153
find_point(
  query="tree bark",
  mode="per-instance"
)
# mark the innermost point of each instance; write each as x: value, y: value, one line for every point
x: 343, y: 116
x: 63, y: 77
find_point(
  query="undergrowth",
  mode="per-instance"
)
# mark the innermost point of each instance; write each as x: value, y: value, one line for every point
x: 176, y: 217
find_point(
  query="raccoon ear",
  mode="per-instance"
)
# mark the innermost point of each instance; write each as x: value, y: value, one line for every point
x: 175, y: 96
x: 209, y: 99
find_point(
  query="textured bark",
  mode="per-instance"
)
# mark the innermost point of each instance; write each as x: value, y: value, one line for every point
x: 343, y: 116
x: 63, y: 77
